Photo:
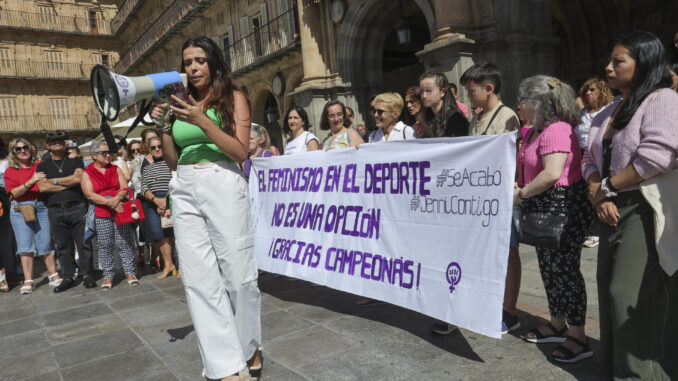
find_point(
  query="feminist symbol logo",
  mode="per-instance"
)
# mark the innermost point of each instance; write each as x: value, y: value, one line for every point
x: 453, y: 275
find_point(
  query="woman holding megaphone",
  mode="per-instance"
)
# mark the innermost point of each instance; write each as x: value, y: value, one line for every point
x: 211, y: 212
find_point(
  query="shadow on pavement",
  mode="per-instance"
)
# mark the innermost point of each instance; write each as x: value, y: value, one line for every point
x: 302, y: 292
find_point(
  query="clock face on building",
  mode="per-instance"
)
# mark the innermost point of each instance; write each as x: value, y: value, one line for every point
x: 277, y: 85
x: 337, y: 10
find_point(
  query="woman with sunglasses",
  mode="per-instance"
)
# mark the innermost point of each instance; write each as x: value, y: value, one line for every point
x: 386, y: 111
x: 340, y: 135
x: 155, y: 178
x: 105, y: 185
x: 211, y: 212
x: 34, y: 237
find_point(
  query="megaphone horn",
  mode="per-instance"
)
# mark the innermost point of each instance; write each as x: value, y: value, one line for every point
x: 112, y: 92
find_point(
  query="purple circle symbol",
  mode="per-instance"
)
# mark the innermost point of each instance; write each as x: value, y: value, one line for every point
x: 453, y: 275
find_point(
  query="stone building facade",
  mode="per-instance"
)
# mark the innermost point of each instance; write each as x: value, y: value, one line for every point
x: 307, y: 52
x: 47, y: 50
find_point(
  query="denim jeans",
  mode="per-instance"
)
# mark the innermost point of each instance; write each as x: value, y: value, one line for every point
x: 31, y: 237
x: 68, y: 225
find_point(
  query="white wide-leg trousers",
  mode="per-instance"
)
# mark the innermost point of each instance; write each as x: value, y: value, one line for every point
x: 212, y: 227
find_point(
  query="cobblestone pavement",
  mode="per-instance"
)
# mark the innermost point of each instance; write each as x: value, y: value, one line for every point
x: 310, y: 333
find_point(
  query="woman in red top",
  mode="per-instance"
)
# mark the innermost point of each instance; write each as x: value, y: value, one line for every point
x: 105, y: 185
x: 31, y: 237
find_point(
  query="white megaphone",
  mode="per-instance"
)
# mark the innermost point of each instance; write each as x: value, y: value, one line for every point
x: 112, y: 91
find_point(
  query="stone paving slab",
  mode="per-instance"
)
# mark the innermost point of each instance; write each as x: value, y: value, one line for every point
x: 310, y: 333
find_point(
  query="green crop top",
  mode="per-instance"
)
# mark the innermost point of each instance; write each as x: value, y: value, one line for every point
x: 195, y: 146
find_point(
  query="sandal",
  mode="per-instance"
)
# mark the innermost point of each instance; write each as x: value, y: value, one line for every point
x: 107, y: 286
x: 255, y: 371
x: 3, y: 282
x: 535, y: 336
x: 27, y: 287
x: 133, y: 281
x: 568, y: 356
x: 53, y: 282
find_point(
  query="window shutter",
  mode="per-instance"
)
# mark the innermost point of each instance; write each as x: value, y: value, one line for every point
x: 265, y: 33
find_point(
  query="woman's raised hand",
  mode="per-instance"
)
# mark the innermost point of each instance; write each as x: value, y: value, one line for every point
x: 159, y: 112
x: 189, y: 112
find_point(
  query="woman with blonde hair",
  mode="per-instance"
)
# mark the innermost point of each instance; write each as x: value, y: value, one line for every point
x: 386, y: 111
x: 596, y: 95
x: 28, y: 213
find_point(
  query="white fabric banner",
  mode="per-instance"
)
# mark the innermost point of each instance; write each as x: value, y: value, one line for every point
x: 423, y: 224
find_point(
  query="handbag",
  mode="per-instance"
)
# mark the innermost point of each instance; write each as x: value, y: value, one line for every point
x: 539, y: 229
x: 28, y: 211
x: 132, y: 212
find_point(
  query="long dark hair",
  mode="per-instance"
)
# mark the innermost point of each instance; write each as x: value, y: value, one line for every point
x: 302, y: 114
x: 434, y: 125
x: 324, y: 119
x: 651, y: 72
x: 221, y: 98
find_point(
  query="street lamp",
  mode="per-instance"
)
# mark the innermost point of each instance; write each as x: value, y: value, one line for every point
x: 403, y: 28
x: 403, y: 32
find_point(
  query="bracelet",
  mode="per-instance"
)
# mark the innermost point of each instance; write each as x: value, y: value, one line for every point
x: 606, y: 187
x: 153, y: 199
x: 163, y: 129
x: 29, y: 188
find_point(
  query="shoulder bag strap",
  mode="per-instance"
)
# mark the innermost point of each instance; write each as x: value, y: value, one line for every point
x: 492, y: 119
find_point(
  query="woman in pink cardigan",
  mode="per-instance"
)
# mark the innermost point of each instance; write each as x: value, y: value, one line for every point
x: 550, y: 182
x: 633, y: 140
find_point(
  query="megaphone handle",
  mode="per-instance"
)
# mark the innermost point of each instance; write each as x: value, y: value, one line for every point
x: 108, y: 135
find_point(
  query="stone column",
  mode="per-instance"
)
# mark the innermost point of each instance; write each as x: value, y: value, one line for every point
x: 309, y: 33
x: 450, y: 52
x: 319, y: 84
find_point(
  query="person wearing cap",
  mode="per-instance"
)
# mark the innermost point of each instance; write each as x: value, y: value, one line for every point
x: 66, y: 207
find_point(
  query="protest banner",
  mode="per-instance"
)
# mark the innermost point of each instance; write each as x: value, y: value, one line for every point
x: 422, y: 224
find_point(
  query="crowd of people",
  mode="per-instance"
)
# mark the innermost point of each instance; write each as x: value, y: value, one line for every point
x: 581, y: 155
x: 58, y: 202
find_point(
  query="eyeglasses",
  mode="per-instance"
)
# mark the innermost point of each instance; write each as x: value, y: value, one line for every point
x: 336, y: 116
x: 55, y: 141
x: 378, y: 112
x: 136, y: 150
x: 18, y: 149
x: 158, y: 147
x: 104, y: 153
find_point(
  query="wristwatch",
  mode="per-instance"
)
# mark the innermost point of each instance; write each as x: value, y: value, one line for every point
x: 55, y: 181
x: 607, y: 188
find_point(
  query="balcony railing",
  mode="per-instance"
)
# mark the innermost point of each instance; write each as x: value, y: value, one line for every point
x: 126, y: 10
x: 53, y: 23
x: 171, y: 22
x: 265, y: 42
x: 33, y: 123
x: 42, y: 69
